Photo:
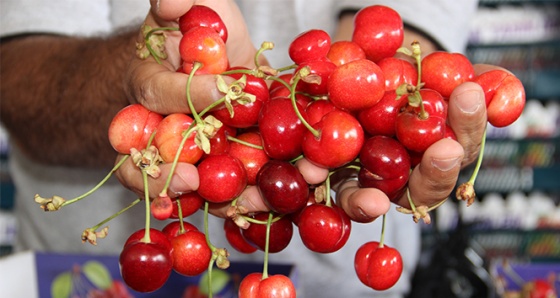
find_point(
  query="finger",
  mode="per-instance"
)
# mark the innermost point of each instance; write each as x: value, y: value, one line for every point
x: 362, y: 204
x: 164, y: 91
x: 185, y: 179
x: 170, y: 9
x: 467, y: 118
x: 311, y: 173
x: 250, y: 199
x: 435, y: 177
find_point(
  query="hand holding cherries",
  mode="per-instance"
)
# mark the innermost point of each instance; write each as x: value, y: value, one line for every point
x: 367, y: 106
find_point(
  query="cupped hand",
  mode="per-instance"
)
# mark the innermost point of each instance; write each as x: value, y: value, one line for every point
x: 159, y: 87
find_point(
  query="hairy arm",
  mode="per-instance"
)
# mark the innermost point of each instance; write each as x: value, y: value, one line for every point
x: 60, y: 93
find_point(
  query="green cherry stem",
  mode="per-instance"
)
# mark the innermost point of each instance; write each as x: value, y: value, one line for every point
x: 296, y: 80
x: 108, y: 219
x: 383, y: 224
x: 266, y: 246
x: 146, y: 238
x: 479, y: 159
x: 96, y: 187
x: 196, y: 66
x: 234, y: 139
x: 212, y: 248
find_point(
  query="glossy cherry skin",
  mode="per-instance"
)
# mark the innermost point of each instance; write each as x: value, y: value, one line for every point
x: 281, y: 232
x: 378, y: 267
x: 310, y: 45
x: 253, y: 159
x: 321, y: 69
x: 235, y: 238
x: 156, y: 236
x: 219, y: 143
x: 417, y: 131
x: 444, y: 71
x: 316, y: 109
x: 173, y: 229
x: 281, y: 129
x: 245, y: 115
x: 356, y: 85
x: 339, y: 141
x: 145, y: 267
x: 274, y: 286
x: 203, y: 16
x: 385, y: 165
x: 379, y: 31
x: 169, y: 136
x: 203, y: 45
x: 191, y: 254
x: 323, y: 229
x: 398, y: 71
x: 380, y: 119
x: 505, y: 96
x: 344, y: 51
x: 282, y: 186
x: 222, y: 178
x: 190, y: 203
x: 385, y: 268
x: 132, y: 127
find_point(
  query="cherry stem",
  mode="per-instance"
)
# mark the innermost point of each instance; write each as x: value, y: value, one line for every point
x: 196, y: 66
x: 234, y: 139
x: 480, y: 158
x: 96, y: 187
x: 212, y: 248
x: 146, y: 238
x: 383, y: 224
x: 149, y: 45
x: 97, y: 226
x: 186, y: 136
x: 297, y: 78
x: 180, y: 215
x: 409, y: 198
x: 266, y: 246
x: 211, y: 106
x: 261, y: 222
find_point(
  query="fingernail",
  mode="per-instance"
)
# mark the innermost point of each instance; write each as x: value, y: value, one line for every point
x: 445, y: 165
x: 469, y: 101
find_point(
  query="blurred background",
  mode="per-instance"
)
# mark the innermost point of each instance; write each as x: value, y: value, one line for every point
x: 510, y: 237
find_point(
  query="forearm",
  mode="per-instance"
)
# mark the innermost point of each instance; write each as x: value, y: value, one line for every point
x: 59, y: 95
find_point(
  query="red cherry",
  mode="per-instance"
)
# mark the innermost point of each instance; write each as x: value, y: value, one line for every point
x: 190, y: 203
x: 161, y: 207
x: 156, y: 236
x: 191, y: 254
x: 132, y: 127
x: 504, y: 94
x: 281, y: 232
x: 310, y: 45
x: 384, y: 268
x: 344, y: 51
x: 203, y: 45
x: 356, y: 85
x: 417, y: 130
x: 444, y: 71
x: 340, y: 138
x: 322, y: 228
x: 282, y: 187
x: 145, y: 267
x: 379, y: 31
x: 252, y: 159
x: 222, y: 178
x: 281, y: 129
x: 245, y: 115
x: 385, y: 165
x: 378, y: 267
x: 235, y: 238
x: 173, y: 229
x: 380, y: 119
x: 397, y: 72
x: 274, y: 286
x: 203, y: 16
x: 316, y: 109
x: 321, y: 69
x: 169, y: 136
x: 219, y: 143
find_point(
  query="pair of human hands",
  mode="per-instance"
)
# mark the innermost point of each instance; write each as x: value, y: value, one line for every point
x: 161, y: 89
